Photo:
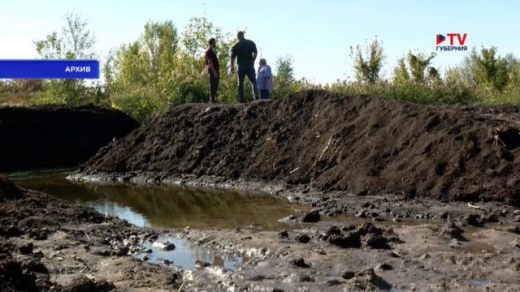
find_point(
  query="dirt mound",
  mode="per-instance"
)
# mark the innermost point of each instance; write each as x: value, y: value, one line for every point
x: 8, y: 190
x: 332, y: 141
x: 57, y: 135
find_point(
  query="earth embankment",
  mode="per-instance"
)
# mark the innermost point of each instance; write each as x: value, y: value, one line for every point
x: 333, y: 142
x: 53, y: 136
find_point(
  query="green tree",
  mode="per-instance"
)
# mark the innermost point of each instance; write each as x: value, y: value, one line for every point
x: 284, y: 81
x: 75, y: 42
x: 416, y: 69
x: 368, y: 61
x: 160, y: 69
x: 418, y: 64
x: 147, y: 62
x: 400, y: 74
x: 158, y: 47
x: 285, y: 70
x: 488, y: 69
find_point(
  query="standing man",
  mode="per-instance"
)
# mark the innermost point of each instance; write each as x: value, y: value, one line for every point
x: 245, y: 52
x: 265, y: 79
x: 213, y: 70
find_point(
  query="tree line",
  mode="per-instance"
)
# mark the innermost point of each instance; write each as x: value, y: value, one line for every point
x: 163, y: 68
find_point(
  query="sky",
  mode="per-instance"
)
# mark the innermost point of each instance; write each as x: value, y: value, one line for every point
x: 317, y: 35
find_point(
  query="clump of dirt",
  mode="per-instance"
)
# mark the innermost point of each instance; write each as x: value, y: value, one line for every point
x: 333, y: 142
x: 366, y: 235
x: 85, y: 284
x: 8, y: 190
x: 57, y: 135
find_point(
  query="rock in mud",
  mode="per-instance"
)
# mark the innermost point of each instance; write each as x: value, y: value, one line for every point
x: 361, y: 214
x: 333, y: 282
x: 375, y: 241
x: 12, y: 231
x: 348, y: 275
x: 283, y: 234
x: 164, y: 245
x: 349, y: 240
x: 300, y: 263
x: 332, y: 230
x: 175, y: 280
x: 26, y: 248
x: 515, y: 229
x: 311, y: 217
x: 369, y: 280
x: 384, y: 267
x: 369, y: 228
x: 451, y: 229
x: 303, y: 238
x: 121, y: 251
x: 34, y: 266
x: 472, y: 219
x: 202, y: 264
x: 85, y: 284
x: 8, y: 190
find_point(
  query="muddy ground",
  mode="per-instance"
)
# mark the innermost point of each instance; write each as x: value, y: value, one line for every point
x: 51, y: 245
x: 434, y: 192
x: 54, y: 136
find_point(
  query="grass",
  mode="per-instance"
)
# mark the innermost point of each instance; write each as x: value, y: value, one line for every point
x: 18, y: 99
x: 145, y: 105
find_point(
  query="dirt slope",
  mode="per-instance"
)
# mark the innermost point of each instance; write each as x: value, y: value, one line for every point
x: 57, y: 135
x: 332, y: 141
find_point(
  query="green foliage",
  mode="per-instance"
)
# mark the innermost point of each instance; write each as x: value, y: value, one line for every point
x: 368, y: 61
x: 416, y: 69
x: 418, y: 64
x: 163, y: 68
x: 488, y: 69
x: 142, y: 107
x: 283, y: 80
x: 75, y: 42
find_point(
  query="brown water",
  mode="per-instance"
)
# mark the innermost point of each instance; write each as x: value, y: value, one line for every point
x: 167, y: 206
x: 170, y: 207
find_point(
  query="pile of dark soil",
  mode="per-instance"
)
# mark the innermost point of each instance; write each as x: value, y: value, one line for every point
x: 333, y: 142
x: 57, y: 135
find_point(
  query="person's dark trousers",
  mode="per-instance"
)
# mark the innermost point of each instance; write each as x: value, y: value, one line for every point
x: 264, y: 94
x: 250, y: 73
x: 213, y: 86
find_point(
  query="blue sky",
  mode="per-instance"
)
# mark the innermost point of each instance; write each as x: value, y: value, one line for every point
x: 316, y: 34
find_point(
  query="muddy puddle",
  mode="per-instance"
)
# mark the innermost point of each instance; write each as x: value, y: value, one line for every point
x: 167, y: 206
x: 170, y: 207
x: 187, y: 255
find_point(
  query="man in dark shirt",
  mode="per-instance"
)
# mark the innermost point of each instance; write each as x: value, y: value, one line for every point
x: 213, y: 70
x: 245, y: 52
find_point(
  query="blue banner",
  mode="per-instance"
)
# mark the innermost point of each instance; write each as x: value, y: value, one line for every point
x: 49, y: 69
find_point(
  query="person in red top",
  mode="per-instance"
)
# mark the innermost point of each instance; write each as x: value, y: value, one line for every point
x: 213, y: 70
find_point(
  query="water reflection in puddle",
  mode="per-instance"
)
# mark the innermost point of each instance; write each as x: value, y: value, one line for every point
x: 480, y: 283
x: 186, y: 254
x: 167, y: 206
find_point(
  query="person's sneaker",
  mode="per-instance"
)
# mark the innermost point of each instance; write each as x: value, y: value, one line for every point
x: 213, y: 102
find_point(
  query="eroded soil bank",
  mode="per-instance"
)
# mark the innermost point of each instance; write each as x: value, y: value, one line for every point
x: 57, y: 135
x: 50, y: 245
x: 328, y: 142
